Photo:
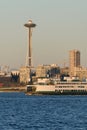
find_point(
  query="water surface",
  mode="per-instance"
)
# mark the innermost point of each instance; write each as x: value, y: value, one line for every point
x: 21, y: 112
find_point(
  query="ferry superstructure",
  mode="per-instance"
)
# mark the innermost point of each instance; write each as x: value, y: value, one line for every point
x: 71, y: 86
x: 60, y: 87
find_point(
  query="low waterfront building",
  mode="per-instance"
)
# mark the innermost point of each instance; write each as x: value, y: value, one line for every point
x: 41, y: 70
x: 24, y: 74
x: 81, y: 72
x: 48, y: 71
x: 64, y: 70
x: 15, y: 72
x: 15, y: 76
x: 54, y: 71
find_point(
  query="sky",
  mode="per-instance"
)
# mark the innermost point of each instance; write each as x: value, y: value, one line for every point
x: 61, y: 26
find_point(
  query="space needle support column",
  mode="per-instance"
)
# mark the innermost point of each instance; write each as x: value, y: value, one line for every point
x: 30, y: 51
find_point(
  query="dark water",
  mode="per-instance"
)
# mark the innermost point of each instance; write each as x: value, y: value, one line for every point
x: 21, y: 112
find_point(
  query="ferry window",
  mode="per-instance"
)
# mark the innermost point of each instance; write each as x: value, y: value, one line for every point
x: 80, y: 86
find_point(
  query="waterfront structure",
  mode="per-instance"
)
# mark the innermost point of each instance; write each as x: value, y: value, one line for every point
x: 24, y: 74
x: 41, y: 70
x: 81, y: 72
x: 54, y: 71
x: 74, y: 61
x: 15, y: 72
x: 64, y: 70
x: 29, y: 25
x: 15, y: 76
x: 47, y: 71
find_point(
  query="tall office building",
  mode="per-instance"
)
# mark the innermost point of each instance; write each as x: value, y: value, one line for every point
x: 74, y: 61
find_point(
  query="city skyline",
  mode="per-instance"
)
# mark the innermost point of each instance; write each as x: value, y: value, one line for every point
x: 61, y: 26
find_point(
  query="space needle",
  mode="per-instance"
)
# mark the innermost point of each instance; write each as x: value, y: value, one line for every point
x: 30, y: 25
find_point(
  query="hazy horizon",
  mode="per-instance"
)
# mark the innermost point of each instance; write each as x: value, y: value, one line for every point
x: 61, y: 26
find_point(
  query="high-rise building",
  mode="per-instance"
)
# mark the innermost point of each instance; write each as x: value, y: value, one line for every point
x: 74, y: 61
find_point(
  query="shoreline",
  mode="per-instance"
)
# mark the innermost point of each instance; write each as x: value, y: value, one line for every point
x: 24, y: 90
x: 13, y: 89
